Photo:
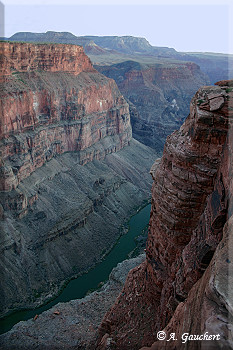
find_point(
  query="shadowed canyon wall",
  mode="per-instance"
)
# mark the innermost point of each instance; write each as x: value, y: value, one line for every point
x: 159, y: 95
x: 62, y: 183
x: 185, y: 279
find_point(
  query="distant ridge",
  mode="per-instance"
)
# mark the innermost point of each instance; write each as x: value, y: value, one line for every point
x: 123, y: 44
x: 115, y: 49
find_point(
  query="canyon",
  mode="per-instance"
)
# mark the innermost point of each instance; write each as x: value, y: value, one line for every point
x: 185, y: 283
x: 69, y: 169
x: 116, y: 49
x: 158, y: 82
x: 158, y: 95
x: 70, y: 325
x: 72, y: 175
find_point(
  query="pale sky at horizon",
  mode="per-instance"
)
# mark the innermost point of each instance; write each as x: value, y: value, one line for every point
x: 186, y: 26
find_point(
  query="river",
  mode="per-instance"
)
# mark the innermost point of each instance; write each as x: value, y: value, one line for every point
x: 78, y: 288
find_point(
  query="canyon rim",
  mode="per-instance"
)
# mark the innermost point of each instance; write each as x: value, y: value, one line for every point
x: 88, y: 125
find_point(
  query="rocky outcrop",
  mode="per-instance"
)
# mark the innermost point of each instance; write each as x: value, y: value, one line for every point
x: 208, y: 308
x: 24, y: 57
x: 157, y: 81
x: 50, y: 112
x: 122, y: 48
x: 158, y: 94
x: 191, y: 207
x: 61, y: 124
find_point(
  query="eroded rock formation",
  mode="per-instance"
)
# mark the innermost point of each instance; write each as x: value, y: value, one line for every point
x: 158, y: 93
x: 62, y: 185
x: 23, y: 57
x: 47, y: 111
x: 191, y: 207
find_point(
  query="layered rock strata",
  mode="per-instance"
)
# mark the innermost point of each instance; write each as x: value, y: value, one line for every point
x: 191, y: 207
x: 208, y: 308
x: 62, y: 185
x: 159, y: 95
x: 25, y: 57
x: 67, y: 226
x: 159, y: 89
x: 49, y: 111
x: 113, y: 49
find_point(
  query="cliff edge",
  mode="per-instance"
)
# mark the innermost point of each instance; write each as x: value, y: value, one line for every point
x: 69, y: 169
x: 53, y: 101
x: 185, y: 284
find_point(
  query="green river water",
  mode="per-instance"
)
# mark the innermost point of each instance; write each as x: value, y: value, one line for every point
x: 78, y: 288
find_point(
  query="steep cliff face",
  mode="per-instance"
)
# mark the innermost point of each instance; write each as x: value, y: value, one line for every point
x: 113, y: 49
x: 61, y: 123
x: 159, y: 95
x: 216, y: 66
x: 24, y: 57
x: 191, y: 195
x: 208, y: 308
x: 44, y: 113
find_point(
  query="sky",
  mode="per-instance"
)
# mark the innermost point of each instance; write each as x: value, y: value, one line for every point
x: 196, y: 26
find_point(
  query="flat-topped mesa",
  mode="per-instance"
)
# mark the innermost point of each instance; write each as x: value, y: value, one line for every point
x: 54, y: 101
x: 27, y: 57
x: 190, y: 198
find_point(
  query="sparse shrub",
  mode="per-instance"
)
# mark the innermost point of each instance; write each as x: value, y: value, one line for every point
x: 199, y: 102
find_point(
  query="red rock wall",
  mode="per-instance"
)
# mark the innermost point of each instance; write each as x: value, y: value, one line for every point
x: 47, y: 111
x: 26, y: 57
x: 207, y: 308
x: 190, y: 198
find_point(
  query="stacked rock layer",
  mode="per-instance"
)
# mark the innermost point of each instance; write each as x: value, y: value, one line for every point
x: 62, y: 184
x: 191, y: 208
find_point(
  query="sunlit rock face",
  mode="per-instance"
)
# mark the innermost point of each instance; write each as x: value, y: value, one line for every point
x: 185, y: 278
